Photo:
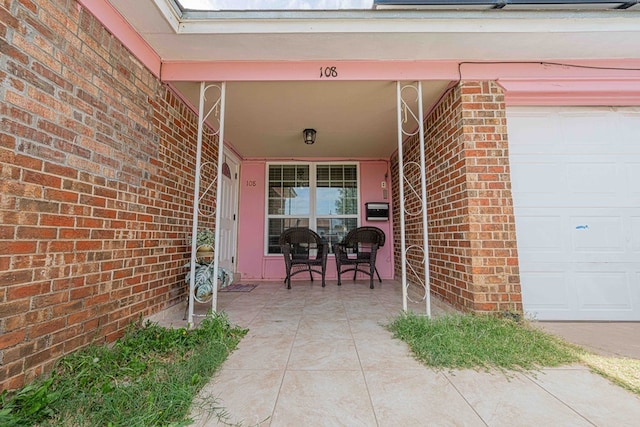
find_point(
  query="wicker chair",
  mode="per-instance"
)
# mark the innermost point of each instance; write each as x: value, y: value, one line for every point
x: 359, y: 247
x: 303, y: 249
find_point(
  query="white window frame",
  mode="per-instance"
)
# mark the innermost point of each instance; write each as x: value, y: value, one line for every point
x: 313, y: 217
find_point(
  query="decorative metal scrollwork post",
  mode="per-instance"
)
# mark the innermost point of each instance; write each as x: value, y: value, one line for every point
x: 216, y: 110
x: 409, y: 99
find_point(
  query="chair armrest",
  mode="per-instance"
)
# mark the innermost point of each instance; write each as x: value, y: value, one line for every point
x: 339, y: 248
x: 324, y: 248
x: 286, y: 250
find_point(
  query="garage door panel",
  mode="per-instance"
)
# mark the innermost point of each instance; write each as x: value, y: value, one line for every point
x: 600, y: 291
x: 550, y: 176
x: 598, y: 235
x: 585, y: 127
x: 541, y: 233
x: 634, y: 235
x: 531, y: 132
x: 563, y: 184
x: 546, y: 291
x: 593, y: 177
x: 576, y: 197
x: 626, y: 124
x: 633, y: 175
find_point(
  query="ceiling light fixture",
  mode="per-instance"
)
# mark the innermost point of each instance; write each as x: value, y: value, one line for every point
x: 309, y: 136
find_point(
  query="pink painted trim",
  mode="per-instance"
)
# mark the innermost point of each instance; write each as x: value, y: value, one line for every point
x: 572, y: 92
x: 120, y: 28
x: 549, y: 99
x: 559, y: 69
x: 594, y: 82
x: 308, y: 70
x: 396, y: 70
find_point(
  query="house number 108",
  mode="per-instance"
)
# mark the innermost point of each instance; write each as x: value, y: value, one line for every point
x: 328, y: 72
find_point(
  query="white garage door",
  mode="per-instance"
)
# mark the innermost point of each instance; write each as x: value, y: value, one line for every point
x: 575, y: 173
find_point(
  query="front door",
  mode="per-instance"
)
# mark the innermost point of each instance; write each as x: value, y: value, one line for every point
x: 228, y: 214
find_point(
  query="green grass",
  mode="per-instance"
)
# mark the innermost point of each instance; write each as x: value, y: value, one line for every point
x: 147, y: 378
x: 467, y: 341
x: 481, y: 341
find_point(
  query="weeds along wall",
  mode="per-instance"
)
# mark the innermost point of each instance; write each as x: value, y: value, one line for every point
x: 473, y: 259
x: 97, y: 175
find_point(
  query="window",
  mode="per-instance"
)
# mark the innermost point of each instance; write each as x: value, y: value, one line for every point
x: 323, y: 197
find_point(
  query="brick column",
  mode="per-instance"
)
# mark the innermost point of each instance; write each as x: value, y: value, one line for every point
x: 473, y: 258
x: 492, y: 233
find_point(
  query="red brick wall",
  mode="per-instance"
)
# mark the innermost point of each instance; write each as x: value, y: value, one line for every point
x: 473, y: 260
x: 96, y: 169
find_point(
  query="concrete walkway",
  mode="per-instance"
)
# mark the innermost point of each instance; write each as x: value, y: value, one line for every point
x: 319, y: 357
x: 615, y: 339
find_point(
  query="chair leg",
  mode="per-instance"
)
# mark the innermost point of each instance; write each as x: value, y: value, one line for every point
x: 378, y: 274
x: 372, y: 269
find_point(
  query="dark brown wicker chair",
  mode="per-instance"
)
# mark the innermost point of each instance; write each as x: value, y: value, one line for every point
x: 359, y: 247
x: 303, y: 249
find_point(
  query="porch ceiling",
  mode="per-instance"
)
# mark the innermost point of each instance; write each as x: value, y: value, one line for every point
x: 355, y: 119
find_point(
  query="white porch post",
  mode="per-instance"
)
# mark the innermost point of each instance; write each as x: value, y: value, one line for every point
x: 423, y: 185
x: 196, y: 210
x: 403, y: 244
x: 202, y: 117
x: 404, y: 107
x: 216, y: 251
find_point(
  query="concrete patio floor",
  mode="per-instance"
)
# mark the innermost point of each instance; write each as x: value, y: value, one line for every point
x: 320, y: 357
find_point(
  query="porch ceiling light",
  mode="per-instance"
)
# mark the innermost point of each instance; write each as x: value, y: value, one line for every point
x: 309, y: 136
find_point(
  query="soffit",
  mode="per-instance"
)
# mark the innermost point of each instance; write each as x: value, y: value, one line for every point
x: 356, y: 119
